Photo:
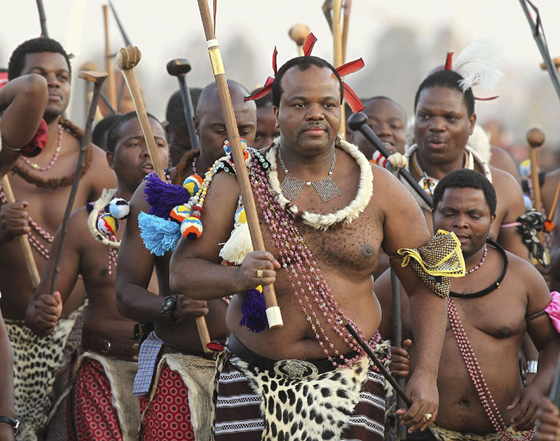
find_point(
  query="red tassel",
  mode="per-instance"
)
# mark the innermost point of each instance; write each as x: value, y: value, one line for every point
x: 267, y: 88
x: 490, y: 98
x: 308, y: 45
x: 449, y: 61
x: 350, y: 67
x: 352, y: 99
x: 274, y: 61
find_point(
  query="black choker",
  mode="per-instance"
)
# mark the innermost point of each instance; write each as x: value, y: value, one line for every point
x: 494, y: 285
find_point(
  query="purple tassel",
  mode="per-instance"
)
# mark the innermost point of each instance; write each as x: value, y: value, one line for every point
x: 254, y: 311
x: 163, y: 197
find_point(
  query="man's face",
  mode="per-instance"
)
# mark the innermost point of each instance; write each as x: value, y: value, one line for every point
x: 266, y: 128
x: 211, y: 128
x: 131, y: 159
x: 465, y: 212
x: 442, y: 126
x: 309, y: 112
x: 388, y: 121
x: 54, y: 68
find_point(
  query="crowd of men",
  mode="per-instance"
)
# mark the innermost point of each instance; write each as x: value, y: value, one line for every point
x: 150, y: 265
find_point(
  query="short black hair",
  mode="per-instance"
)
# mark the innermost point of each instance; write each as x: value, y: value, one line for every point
x: 175, y: 113
x: 465, y: 178
x: 302, y: 63
x: 451, y: 80
x: 113, y: 136
x: 386, y: 98
x: 34, y: 46
x: 101, y: 129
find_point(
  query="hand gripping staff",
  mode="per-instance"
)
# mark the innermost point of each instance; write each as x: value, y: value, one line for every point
x: 273, y: 313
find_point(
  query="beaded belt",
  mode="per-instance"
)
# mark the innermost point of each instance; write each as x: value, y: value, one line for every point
x: 292, y: 368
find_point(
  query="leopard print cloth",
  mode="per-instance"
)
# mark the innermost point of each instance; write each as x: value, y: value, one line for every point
x: 36, y: 361
x: 251, y: 405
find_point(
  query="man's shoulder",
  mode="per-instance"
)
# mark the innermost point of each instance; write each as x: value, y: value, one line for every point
x: 502, y: 180
x: 521, y: 268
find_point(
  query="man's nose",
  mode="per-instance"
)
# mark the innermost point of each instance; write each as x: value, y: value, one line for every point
x: 383, y: 130
x: 437, y: 125
x: 315, y: 111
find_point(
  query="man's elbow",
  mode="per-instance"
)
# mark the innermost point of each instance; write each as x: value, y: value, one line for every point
x: 123, y: 305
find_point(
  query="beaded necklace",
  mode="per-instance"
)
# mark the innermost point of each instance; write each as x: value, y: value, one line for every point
x: 477, y: 378
x: 479, y: 264
x: 53, y: 160
x: 305, y: 277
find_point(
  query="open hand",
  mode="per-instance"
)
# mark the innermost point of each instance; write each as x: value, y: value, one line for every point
x: 525, y: 403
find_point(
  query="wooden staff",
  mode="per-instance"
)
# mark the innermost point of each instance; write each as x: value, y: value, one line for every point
x: 91, y: 66
x: 346, y: 24
x: 535, y: 138
x: 397, y: 340
x: 338, y: 58
x: 27, y: 251
x: 97, y: 78
x: 273, y: 313
x: 42, y: 19
x: 127, y: 58
x: 112, y: 92
x: 299, y: 33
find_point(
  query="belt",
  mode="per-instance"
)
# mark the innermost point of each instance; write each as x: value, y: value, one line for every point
x: 299, y: 369
x: 168, y: 348
x: 110, y: 346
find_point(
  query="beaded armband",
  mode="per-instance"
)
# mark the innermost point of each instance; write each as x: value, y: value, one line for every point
x: 437, y: 261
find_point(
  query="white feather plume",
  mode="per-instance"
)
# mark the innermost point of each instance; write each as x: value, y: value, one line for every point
x: 478, y: 64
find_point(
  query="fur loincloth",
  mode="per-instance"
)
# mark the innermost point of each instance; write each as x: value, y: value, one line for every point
x: 251, y: 405
x: 198, y: 375
x: 450, y: 435
x: 36, y: 362
x: 121, y: 377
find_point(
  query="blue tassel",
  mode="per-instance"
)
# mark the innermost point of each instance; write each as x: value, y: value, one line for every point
x: 254, y: 311
x: 163, y: 197
x: 159, y: 235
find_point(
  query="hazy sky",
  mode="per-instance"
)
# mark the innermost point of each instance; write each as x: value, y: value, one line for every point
x: 168, y: 29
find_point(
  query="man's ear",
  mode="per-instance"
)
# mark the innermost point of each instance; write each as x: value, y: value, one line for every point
x: 110, y: 156
x: 472, y: 123
x: 196, y: 123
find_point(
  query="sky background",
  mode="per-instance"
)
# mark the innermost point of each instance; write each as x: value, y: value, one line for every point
x: 399, y: 40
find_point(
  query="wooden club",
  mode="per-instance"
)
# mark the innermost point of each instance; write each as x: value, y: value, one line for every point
x: 273, y: 313
x: 298, y: 33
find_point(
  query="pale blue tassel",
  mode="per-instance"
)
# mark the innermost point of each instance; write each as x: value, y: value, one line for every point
x: 159, y: 235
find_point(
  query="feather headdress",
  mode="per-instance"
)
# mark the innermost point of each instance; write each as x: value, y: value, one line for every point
x: 478, y: 64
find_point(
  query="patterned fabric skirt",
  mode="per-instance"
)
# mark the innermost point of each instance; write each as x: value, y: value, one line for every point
x: 450, y: 435
x: 178, y: 408
x: 253, y: 405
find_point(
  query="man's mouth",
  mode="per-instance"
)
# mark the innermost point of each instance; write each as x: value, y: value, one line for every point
x: 148, y: 168
x: 53, y: 97
x: 463, y: 238
x: 315, y: 129
x: 436, y: 143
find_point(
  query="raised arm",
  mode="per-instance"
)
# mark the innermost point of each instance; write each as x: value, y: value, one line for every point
x: 23, y: 101
x: 405, y: 227
x: 44, y: 310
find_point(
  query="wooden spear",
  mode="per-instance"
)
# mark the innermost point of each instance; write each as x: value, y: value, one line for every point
x: 27, y: 251
x: 42, y: 19
x: 127, y: 58
x: 273, y: 313
x: 346, y: 24
x: 97, y: 78
x: 535, y: 138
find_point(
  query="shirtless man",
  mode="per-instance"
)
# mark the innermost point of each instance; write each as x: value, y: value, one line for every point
x: 388, y: 121
x: 444, y: 119
x: 41, y: 197
x: 307, y: 97
x: 267, y: 129
x: 465, y: 203
x: 107, y: 336
x: 177, y: 329
x: 177, y: 129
